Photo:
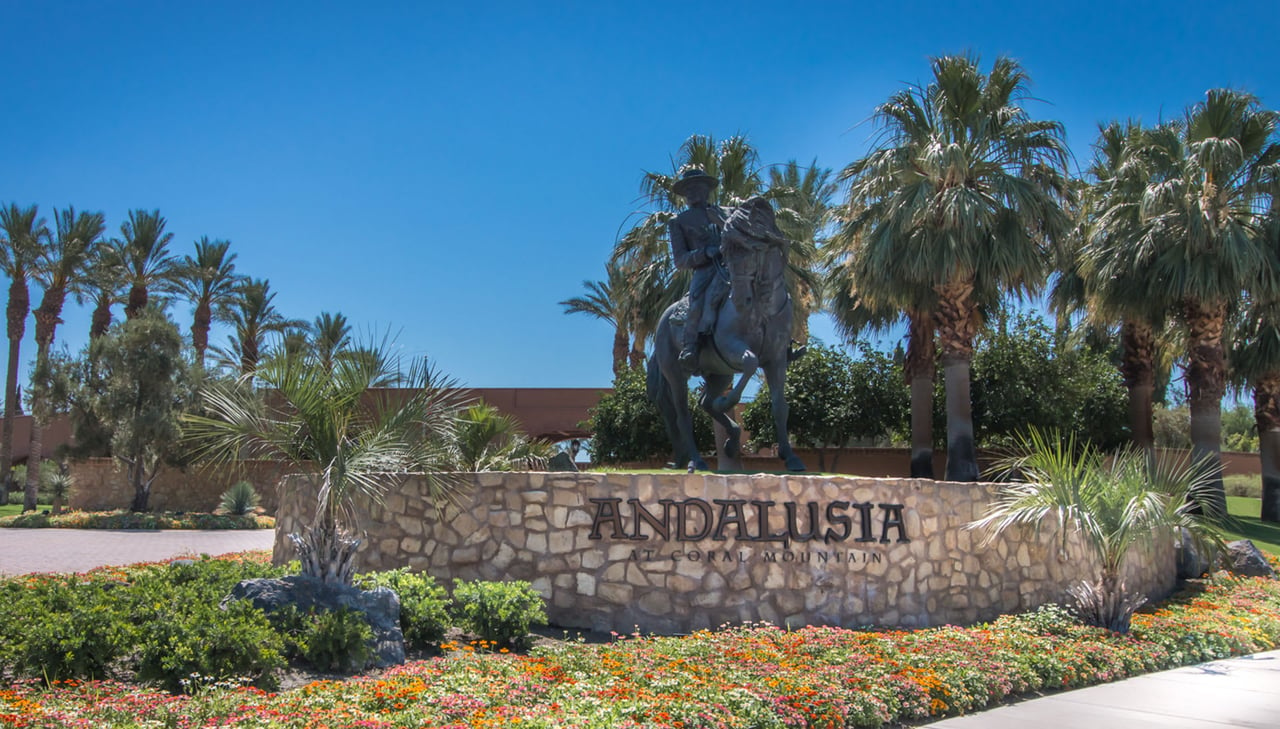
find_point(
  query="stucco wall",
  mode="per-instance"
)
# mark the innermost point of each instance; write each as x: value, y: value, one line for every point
x: 913, y: 564
x: 100, y: 484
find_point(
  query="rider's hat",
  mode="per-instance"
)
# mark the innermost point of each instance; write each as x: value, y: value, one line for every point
x: 693, y: 176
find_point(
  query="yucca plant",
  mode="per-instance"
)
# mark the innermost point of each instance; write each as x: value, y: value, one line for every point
x: 332, y: 423
x: 1115, y: 503
x: 60, y: 484
x: 239, y: 500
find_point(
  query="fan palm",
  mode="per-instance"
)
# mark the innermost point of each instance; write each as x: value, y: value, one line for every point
x: 24, y: 235
x: 330, y: 423
x: 860, y: 300
x: 1255, y: 365
x: 1201, y: 242
x: 144, y: 255
x: 1127, y: 160
x: 1115, y: 504
x: 804, y: 199
x: 62, y: 261
x: 963, y: 195
x: 208, y: 280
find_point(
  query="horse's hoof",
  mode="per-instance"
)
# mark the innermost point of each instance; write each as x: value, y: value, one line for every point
x: 794, y: 463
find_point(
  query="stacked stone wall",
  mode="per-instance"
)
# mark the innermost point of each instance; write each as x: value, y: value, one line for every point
x: 102, y: 485
x: 885, y: 552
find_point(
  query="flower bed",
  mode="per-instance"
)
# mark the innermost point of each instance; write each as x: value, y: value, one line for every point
x: 750, y: 676
x: 121, y: 519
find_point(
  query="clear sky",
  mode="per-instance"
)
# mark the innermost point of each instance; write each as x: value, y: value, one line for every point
x: 451, y: 171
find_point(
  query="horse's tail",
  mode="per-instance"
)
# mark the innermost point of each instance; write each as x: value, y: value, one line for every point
x: 655, y: 383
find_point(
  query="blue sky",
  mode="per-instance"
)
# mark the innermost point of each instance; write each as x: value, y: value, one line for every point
x: 451, y: 171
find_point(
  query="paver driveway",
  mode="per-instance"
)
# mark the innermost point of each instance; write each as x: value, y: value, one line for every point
x: 77, y: 550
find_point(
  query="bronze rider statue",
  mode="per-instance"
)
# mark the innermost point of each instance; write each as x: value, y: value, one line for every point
x: 695, y: 246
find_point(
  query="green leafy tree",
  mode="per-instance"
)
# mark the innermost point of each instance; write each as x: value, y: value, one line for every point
x: 625, y: 426
x: 139, y: 389
x: 834, y: 400
x: 358, y: 443
x: 962, y: 194
x: 1026, y: 375
x: 24, y: 235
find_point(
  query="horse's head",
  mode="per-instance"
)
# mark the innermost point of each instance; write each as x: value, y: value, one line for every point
x: 754, y: 251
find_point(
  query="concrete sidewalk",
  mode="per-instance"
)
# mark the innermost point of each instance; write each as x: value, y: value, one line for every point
x: 1236, y: 692
x: 77, y: 550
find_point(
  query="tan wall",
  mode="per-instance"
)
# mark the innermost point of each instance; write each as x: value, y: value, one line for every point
x: 101, y: 485
x: 538, y: 527
x: 896, y: 462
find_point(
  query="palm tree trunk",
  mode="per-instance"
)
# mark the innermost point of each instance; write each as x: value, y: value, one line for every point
x: 137, y: 301
x: 19, y: 305
x: 200, y: 331
x: 620, y: 347
x: 47, y: 317
x: 1206, y: 384
x: 1266, y: 411
x: 1138, y: 371
x: 920, y: 370
x: 101, y: 317
x: 956, y: 319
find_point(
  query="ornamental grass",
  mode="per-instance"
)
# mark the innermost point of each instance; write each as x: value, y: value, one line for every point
x: 746, y: 676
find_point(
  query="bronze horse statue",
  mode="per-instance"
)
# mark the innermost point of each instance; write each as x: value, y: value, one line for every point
x: 752, y: 332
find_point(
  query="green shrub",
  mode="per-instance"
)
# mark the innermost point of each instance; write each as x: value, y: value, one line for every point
x: 338, y: 640
x: 58, y: 629
x: 424, y: 604
x: 239, y: 500
x: 502, y: 612
x: 1242, y: 485
x: 197, y: 637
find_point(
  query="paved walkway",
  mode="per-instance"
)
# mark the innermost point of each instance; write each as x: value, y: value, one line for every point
x: 1237, y: 692
x: 78, y: 550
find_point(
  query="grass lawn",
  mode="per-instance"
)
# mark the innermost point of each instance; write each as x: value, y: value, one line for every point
x: 15, y: 509
x: 1248, y: 526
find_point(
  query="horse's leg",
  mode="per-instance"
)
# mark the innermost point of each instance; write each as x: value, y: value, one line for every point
x: 776, y: 375
x: 747, y: 365
x: 679, y: 392
x: 716, y: 384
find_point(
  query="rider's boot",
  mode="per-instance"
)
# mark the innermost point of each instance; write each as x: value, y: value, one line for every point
x: 689, y: 355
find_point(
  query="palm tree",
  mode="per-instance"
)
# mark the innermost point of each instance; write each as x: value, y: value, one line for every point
x: 963, y: 195
x: 861, y: 300
x: 804, y: 199
x: 1255, y: 365
x: 1127, y: 160
x: 606, y: 300
x: 1114, y: 504
x: 209, y: 281
x: 487, y: 440
x: 253, y: 316
x: 1201, y: 242
x: 330, y: 338
x: 24, y: 235
x: 103, y: 284
x: 62, y: 261
x: 144, y: 254
x: 325, y: 420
